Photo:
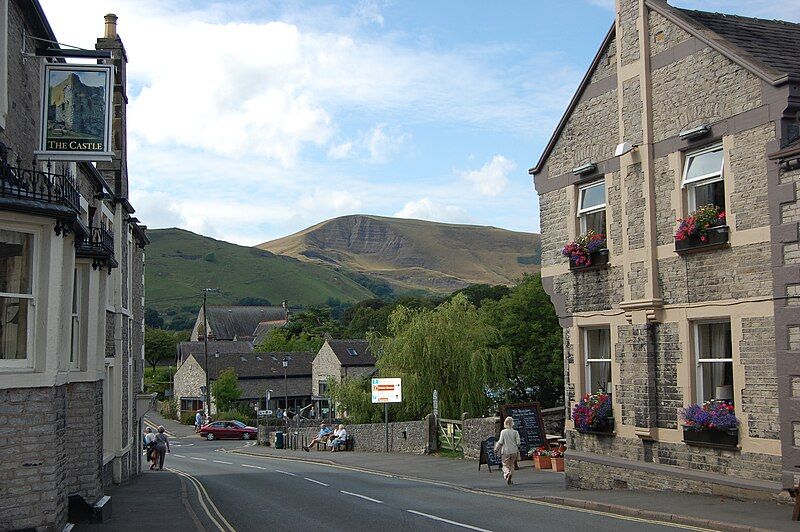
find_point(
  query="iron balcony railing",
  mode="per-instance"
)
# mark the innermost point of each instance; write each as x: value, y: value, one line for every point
x: 97, y: 245
x: 39, y: 186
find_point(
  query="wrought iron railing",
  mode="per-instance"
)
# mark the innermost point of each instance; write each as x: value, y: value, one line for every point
x: 38, y: 185
x: 99, y: 240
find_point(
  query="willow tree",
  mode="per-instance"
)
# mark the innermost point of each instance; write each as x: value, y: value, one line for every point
x: 445, y: 349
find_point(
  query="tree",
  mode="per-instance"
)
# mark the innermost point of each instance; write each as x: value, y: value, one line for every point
x: 158, y: 380
x: 159, y: 345
x: 153, y: 319
x: 478, y: 293
x: 445, y: 349
x: 226, y: 390
x: 278, y: 340
x: 354, y: 395
x: 528, y: 327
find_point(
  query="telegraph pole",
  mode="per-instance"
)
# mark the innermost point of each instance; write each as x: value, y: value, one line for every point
x: 205, y: 348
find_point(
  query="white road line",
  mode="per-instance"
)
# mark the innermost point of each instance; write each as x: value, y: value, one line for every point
x: 253, y: 466
x: 196, y: 458
x: 443, y: 520
x: 316, y: 482
x: 178, y: 456
x: 221, y: 462
x: 361, y: 496
x: 285, y: 473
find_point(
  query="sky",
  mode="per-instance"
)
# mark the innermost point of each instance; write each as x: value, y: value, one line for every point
x: 251, y: 120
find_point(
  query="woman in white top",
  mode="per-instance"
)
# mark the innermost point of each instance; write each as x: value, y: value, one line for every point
x: 509, y: 447
x: 339, y: 436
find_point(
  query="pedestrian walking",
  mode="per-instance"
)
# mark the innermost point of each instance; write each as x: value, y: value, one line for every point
x: 508, y: 447
x: 150, y: 447
x: 162, y: 447
x: 198, y: 420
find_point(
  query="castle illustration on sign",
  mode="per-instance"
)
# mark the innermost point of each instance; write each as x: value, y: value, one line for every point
x: 76, y: 112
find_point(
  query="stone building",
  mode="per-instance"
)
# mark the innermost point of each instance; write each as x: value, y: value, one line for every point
x: 256, y: 372
x: 338, y: 359
x: 239, y: 322
x: 680, y: 109
x: 71, y: 300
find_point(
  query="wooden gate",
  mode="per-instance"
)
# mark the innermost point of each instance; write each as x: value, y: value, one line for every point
x: 450, y: 434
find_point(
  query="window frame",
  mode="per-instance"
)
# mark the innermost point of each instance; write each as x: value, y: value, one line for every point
x: 588, y: 361
x: 28, y: 361
x: 582, y: 213
x: 698, y: 388
x: 705, y: 179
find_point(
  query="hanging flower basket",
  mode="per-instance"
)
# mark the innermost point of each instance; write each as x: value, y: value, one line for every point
x: 594, y: 414
x: 704, y: 228
x: 588, y: 250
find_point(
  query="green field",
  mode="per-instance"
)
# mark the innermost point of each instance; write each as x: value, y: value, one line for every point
x: 179, y: 264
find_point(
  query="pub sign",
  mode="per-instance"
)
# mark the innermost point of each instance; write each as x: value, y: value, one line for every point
x: 76, y: 112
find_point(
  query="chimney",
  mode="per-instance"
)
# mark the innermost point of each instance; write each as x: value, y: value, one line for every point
x: 111, y: 26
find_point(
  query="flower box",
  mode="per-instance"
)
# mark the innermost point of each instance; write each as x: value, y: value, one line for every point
x: 723, y: 438
x: 542, y: 462
x: 558, y: 464
x: 715, y: 237
x: 598, y: 259
x: 593, y: 414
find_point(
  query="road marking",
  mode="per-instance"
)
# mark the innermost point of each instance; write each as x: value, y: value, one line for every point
x: 443, y: 520
x: 285, y: 473
x: 316, y: 482
x: 198, y: 486
x: 221, y: 462
x: 178, y: 456
x: 196, y: 458
x: 155, y: 427
x: 361, y: 496
x: 253, y: 466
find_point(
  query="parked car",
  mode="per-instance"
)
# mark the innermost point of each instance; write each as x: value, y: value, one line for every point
x: 218, y: 430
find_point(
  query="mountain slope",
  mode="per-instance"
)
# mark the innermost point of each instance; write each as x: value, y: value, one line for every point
x: 415, y: 254
x: 180, y: 264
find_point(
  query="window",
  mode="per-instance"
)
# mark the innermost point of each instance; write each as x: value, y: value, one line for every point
x: 597, y: 353
x: 702, y: 178
x: 592, y: 207
x: 16, y: 295
x: 323, y: 387
x: 75, y: 333
x: 714, y: 352
x: 352, y: 352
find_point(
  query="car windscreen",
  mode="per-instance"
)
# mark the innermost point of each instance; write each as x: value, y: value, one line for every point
x: 239, y: 424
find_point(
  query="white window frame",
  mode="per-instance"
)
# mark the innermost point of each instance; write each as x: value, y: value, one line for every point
x: 28, y: 361
x: 591, y: 210
x: 75, y: 321
x: 705, y: 179
x: 587, y: 361
x: 700, y: 361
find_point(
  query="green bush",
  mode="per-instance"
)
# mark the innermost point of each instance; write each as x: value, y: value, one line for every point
x: 232, y: 415
x: 187, y: 418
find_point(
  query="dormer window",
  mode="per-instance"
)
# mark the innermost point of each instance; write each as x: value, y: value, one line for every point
x: 703, y: 180
x: 592, y: 207
x: 352, y: 352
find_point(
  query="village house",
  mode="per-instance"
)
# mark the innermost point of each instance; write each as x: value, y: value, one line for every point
x: 240, y: 323
x: 257, y: 373
x: 680, y: 110
x: 71, y: 298
x: 338, y: 359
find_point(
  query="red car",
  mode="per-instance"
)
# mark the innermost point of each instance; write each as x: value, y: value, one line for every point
x: 227, y: 429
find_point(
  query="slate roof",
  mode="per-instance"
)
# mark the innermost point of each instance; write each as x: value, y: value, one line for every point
x: 775, y: 43
x: 223, y: 347
x: 363, y: 356
x: 240, y: 322
x: 297, y: 387
x: 255, y: 364
x: 263, y: 328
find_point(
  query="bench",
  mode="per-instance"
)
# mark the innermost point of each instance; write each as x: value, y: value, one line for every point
x: 348, y: 443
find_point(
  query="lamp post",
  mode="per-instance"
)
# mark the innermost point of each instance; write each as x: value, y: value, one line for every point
x: 285, y: 363
x: 205, y: 349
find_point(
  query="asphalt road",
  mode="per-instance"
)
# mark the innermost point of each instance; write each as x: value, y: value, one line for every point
x: 247, y: 493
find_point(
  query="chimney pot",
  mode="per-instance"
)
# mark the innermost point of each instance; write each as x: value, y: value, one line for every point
x: 111, y: 26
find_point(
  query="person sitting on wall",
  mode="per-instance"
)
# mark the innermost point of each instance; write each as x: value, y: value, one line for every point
x: 339, y: 437
x: 323, y: 436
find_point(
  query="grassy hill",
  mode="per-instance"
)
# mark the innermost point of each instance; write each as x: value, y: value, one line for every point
x: 180, y: 264
x: 413, y: 255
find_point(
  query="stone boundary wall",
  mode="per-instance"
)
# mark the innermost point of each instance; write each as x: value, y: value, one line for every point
x: 475, y: 430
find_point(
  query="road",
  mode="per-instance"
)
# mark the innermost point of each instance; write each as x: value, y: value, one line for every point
x: 245, y: 493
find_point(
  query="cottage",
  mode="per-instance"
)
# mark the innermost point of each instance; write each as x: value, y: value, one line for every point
x: 339, y: 359
x: 682, y: 115
x: 71, y: 298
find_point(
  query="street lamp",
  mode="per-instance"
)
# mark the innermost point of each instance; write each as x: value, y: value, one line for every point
x: 205, y: 349
x: 285, y: 363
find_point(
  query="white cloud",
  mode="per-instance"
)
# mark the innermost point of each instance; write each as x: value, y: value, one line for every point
x: 328, y: 203
x: 340, y: 151
x: 426, y: 209
x: 369, y: 11
x: 492, y: 178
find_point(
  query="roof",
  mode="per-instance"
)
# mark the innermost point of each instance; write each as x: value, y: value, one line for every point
x: 344, y: 349
x: 293, y: 387
x: 770, y: 49
x: 263, y: 328
x: 223, y: 347
x: 265, y: 365
x: 240, y: 322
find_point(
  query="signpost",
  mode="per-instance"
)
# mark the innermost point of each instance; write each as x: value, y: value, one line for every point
x: 436, y: 404
x: 387, y: 391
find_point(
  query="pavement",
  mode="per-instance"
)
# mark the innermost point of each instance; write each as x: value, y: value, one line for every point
x: 232, y: 485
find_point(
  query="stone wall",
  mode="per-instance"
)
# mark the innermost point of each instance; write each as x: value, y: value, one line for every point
x: 665, y: 182
x: 629, y: 41
x: 669, y: 354
x: 188, y: 380
x: 614, y: 209
x: 326, y: 364
x: 84, y: 440
x: 588, y: 290
x: 33, y: 458
x: 555, y: 208
x: 475, y: 430
x: 749, y: 202
x: 607, y: 66
x: 663, y: 33
x: 760, y: 393
x: 635, y: 205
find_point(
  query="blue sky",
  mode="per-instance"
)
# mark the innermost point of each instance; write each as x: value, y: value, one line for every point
x: 252, y: 120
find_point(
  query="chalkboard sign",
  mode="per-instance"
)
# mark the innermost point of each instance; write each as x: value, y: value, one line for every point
x: 529, y: 424
x: 488, y: 456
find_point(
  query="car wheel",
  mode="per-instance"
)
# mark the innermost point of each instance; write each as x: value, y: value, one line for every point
x: 210, y: 436
x: 246, y: 436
